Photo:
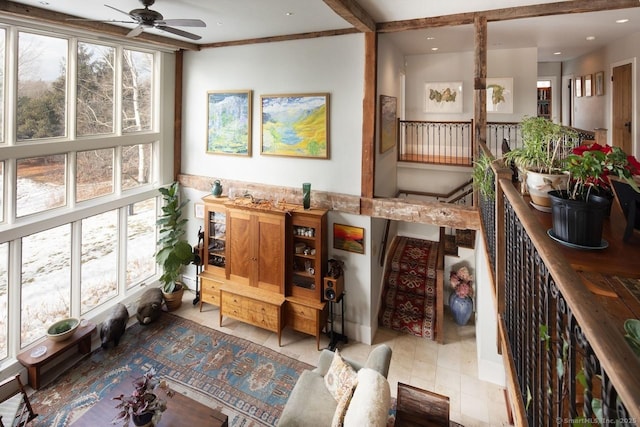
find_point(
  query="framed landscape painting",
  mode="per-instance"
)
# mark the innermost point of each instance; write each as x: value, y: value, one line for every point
x: 348, y: 238
x: 295, y: 125
x: 229, y: 122
x: 388, y: 122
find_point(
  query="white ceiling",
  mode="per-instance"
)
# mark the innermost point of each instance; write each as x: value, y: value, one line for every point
x: 230, y: 20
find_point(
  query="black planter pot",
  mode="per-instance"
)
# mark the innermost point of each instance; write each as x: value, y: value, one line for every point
x: 578, y: 222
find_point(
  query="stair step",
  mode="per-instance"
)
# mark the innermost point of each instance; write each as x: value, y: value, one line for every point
x: 450, y: 247
x: 465, y: 239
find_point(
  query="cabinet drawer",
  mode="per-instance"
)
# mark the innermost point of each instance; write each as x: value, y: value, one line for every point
x: 232, y: 301
x: 266, y: 320
x: 301, y: 324
x: 210, y: 292
x: 301, y: 311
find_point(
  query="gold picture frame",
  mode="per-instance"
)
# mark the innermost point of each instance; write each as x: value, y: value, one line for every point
x: 599, y: 83
x: 295, y: 125
x: 229, y: 122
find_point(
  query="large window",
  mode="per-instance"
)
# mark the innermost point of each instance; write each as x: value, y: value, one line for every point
x: 96, y: 89
x: 79, y: 157
x: 141, y: 241
x: 42, y: 86
x: 136, y: 90
x: 99, y: 278
x: 4, y: 298
x: 46, y: 281
x: 94, y: 173
x: 40, y: 184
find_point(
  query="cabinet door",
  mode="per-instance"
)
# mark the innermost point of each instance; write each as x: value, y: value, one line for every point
x: 309, y: 255
x: 270, y: 250
x: 215, y: 229
x: 241, y: 263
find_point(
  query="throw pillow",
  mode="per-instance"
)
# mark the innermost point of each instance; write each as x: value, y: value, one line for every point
x: 341, y: 409
x: 371, y: 401
x: 340, y: 377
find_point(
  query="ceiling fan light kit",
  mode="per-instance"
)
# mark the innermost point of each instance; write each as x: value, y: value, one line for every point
x: 147, y: 18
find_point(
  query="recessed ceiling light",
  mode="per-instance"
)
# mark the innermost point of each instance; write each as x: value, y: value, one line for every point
x: 557, y: 53
x: 622, y: 21
x: 44, y: 3
x: 591, y: 38
x: 434, y: 48
x: 219, y: 23
x: 288, y: 13
x: 430, y: 38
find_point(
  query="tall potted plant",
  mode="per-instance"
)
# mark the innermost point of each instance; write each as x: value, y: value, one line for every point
x: 544, y: 146
x: 174, y: 251
x: 578, y: 212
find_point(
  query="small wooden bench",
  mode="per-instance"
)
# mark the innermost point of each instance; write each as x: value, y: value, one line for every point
x: 81, y: 338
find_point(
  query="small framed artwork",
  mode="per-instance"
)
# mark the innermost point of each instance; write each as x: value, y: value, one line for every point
x: 229, y: 122
x: 295, y: 125
x: 443, y: 97
x: 348, y: 238
x: 198, y: 210
x: 588, y: 88
x: 388, y: 122
x: 599, y: 83
x: 578, y: 85
x: 500, y: 95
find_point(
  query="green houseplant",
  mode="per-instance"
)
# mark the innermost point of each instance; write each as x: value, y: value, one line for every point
x: 174, y: 251
x: 544, y: 146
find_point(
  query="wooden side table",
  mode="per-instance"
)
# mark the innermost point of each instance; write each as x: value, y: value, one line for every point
x: 80, y: 338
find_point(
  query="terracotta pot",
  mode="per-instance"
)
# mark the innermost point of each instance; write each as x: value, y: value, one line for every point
x: 174, y: 299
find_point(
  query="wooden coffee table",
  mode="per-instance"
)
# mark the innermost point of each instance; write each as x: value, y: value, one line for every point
x: 181, y: 411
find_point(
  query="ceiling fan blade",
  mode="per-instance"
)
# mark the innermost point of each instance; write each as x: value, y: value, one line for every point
x: 183, y: 22
x: 117, y: 10
x: 178, y: 32
x: 136, y: 31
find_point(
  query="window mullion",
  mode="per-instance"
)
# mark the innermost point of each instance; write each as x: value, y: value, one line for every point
x: 72, y: 88
x: 11, y: 88
x: 14, y: 291
x: 76, y: 266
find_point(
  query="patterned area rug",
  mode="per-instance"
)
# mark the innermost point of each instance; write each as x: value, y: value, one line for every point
x: 246, y: 381
x: 408, y: 298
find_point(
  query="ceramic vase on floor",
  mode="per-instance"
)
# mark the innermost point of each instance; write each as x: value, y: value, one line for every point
x: 461, y: 308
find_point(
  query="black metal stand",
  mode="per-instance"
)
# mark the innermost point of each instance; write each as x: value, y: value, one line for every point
x: 199, y: 268
x: 199, y: 254
x: 334, y: 336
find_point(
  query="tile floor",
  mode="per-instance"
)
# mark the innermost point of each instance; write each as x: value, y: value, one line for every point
x: 449, y: 369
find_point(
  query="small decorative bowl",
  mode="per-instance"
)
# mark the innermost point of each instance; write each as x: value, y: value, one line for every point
x: 63, y: 329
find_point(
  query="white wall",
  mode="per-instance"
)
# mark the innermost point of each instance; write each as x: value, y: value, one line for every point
x: 588, y: 111
x: 331, y: 64
x: 519, y: 64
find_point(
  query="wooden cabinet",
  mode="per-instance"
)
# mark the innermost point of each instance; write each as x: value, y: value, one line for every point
x: 265, y: 265
x: 215, y: 235
x: 254, y: 306
x: 306, y: 316
x: 309, y: 254
x: 257, y: 248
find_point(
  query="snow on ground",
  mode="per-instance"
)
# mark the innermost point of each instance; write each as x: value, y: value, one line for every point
x: 46, y: 264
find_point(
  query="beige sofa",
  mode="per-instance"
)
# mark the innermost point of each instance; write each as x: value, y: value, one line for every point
x: 312, y: 405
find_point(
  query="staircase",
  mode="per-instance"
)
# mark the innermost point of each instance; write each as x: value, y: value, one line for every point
x: 413, y: 278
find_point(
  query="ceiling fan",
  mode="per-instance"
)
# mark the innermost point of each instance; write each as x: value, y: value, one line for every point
x: 147, y: 18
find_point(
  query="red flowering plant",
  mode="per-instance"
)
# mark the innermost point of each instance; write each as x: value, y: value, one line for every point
x: 462, y: 282
x: 591, y: 165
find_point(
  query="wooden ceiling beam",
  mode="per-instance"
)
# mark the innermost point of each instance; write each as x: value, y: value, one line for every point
x: 22, y: 11
x: 300, y: 36
x: 520, y: 12
x: 353, y: 13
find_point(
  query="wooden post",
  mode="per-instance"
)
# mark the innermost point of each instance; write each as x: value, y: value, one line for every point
x: 480, y: 80
x: 369, y: 115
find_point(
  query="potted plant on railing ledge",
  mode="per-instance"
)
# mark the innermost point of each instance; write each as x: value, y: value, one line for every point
x: 174, y: 251
x: 544, y: 146
x: 578, y: 212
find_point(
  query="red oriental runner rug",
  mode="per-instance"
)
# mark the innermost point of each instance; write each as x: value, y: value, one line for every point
x: 408, y: 297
